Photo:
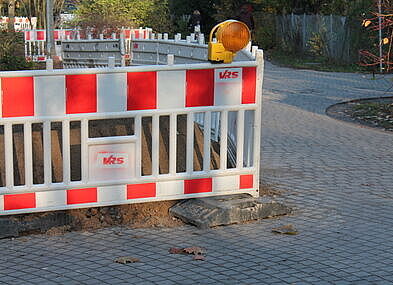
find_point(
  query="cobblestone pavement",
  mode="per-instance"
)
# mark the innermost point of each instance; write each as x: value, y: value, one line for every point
x: 338, y: 176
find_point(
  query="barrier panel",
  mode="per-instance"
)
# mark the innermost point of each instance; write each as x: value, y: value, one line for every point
x: 93, y: 53
x: 35, y: 40
x: 82, y: 138
x: 20, y: 23
x: 35, y: 45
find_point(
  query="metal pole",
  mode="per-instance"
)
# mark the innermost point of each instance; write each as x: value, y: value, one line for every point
x: 380, y: 36
x: 49, y: 28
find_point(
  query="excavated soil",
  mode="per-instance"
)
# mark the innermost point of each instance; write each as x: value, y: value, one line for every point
x: 143, y: 215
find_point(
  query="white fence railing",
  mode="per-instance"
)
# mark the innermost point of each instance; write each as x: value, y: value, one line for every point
x: 110, y: 136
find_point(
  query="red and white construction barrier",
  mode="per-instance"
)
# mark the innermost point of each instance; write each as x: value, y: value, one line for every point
x: 20, y: 23
x: 88, y: 93
x: 111, y: 166
x: 35, y: 45
x: 35, y: 40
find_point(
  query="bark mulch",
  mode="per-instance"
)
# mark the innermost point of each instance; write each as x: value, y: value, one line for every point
x: 373, y: 112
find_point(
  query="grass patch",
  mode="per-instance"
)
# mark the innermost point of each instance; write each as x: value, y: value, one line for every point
x: 312, y: 62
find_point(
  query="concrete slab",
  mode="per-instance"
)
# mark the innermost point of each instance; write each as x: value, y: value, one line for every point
x: 226, y: 210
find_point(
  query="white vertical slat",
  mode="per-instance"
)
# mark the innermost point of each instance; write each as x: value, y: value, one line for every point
x: 1, y: 202
x: 226, y: 183
x: 190, y: 143
x: 228, y: 86
x: 216, y: 125
x: 84, y: 150
x: 138, y: 155
x: 172, y: 143
x: 258, y: 116
x: 30, y: 50
x: 116, y: 193
x: 47, y: 199
x: 240, y: 139
x: 171, y: 89
x: 112, y: 92
x: 155, y: 144
x: 249, y: 135
x: 66, y: 152
x: 47, y: 153
x: 224, y: 140
x: 49, y: 99
x: 28, y: 154
x: 207, y: 141
x: 9, y: 157
x: 170, y: 188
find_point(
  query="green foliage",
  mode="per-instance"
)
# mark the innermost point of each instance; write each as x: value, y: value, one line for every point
x: 181, y: 24
x: 114, y: 14
x: 158, y: 17
x: 265, y: 30
x: 317, y: 45
x: 324, y: 7
x: 225, y: 8
x: 12, y: 52
x: 182, y: 9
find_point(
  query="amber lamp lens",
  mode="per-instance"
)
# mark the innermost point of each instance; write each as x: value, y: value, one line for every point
x: 234, y: 36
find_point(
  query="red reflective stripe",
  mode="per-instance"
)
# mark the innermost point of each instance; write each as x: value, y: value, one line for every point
x: 136, y: 34
x: 142, y: 90
x: 18, y: 96
x: 40, y: 35
x: 27, y: 36
x: 200, y: 88
x: 81, y: 196
x: 56, y: 35
x: 137, y: 191
x: 19, y: 201
x: 249, y: 85
x: 127, y: 34
x: 246, y: 181
x: 198, y: 186
x: 81, y: 95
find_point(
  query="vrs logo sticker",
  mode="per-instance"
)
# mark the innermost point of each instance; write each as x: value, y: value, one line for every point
x: 112, y: 159
x: 228, y: 75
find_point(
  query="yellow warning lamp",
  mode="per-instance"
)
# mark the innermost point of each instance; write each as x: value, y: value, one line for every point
x: 231, y: 36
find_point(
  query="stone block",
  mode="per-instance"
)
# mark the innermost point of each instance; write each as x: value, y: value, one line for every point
x: 226, y: 210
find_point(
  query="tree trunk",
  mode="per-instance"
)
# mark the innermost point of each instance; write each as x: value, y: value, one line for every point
x: 11, y: 15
